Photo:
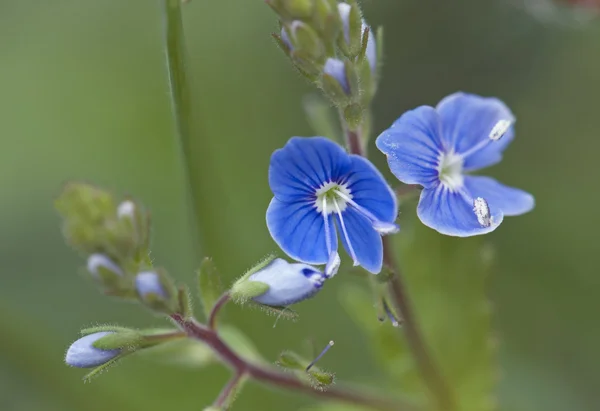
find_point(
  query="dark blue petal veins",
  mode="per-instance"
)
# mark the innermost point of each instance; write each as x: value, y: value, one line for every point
x: 299, y: 230
x: 467, y: 120
x: 413, y: 146
x: 451, y: 213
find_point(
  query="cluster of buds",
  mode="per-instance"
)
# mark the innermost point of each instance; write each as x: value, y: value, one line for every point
x: 114, y: 237
x: 330, y: 44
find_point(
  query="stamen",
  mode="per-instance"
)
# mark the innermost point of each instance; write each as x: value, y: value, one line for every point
x: 380, y: 226
x: 500, y: 129
x: 390, y: 314
x: 350, y: 248
x: 326, y: 224
x: 333, y: 264
x: 320, y: 355
x: 482, y: 211
x: 497, y: 132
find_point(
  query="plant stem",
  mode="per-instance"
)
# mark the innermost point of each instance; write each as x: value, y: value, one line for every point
x: 181, y: 105
x: 273, y: 377
x: 212, y: 317
x: 225, y: 397
x: 431, y: 375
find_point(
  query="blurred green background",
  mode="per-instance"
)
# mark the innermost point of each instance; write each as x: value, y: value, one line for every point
x: 83, y: 95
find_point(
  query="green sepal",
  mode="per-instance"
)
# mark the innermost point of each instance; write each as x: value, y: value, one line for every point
x: 168, y: 304
x: 210, y: 287
x: 257, y: 267
x: 291, y: 360
x: 334, y: 90
x: 353, y: 78
x: 355, y: 29
x: 102, y: 328
x: 326, y: 20
x: 299, y: 9
x: 184, y: 302
x: 246, y: 290
x: 321, y: 379
x: 279, y: 312
x: 101, y: 368
x: 305, y: 64
x: 353, y: 114
x: 306, y: 40
x: 129, y: 340
x: 380, y: 50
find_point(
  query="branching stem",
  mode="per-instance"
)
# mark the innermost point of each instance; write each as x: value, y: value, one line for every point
x: 268, y: 375
x: 212, y: 317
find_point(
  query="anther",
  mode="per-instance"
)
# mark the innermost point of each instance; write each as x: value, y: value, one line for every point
x: 320, y: 355
x: 482, y: 211
x: 395, y: 322
x: 499, y: 130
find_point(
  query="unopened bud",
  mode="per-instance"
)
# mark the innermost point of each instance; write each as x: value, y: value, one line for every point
x: 482, y: 211
x: 287, y: 283
x: 337, y: 69
x: 126, y: 209
x: 101, y: 266
x: 156, y: 291
x: 83, y: 354
x: 500, y: 129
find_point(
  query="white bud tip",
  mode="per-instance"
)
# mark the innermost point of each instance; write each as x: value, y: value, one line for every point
x: 500, y: 129
x: 126, y: 209
x: 333, y: 265
x: 96, y: 261
x: 482, y: 211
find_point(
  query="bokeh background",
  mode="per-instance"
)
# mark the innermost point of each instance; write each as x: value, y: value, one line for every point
x: 83, y: 95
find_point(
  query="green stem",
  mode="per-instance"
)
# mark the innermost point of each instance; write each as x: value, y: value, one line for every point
x: 428, y: 369
x: 181, y: 105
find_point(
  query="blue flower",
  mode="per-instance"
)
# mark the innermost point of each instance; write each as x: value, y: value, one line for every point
x: 83, y: 354
x: 317, y: 187
x: 437, y: 147
x: 288, y: 283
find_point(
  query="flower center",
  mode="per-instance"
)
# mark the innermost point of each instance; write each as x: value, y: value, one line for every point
x: 450, y: 167
x: 329, y: 200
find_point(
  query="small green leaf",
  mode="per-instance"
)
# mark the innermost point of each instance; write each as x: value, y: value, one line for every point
x: 320, y: 378
x: 209, y: 284
x: 185, y: 302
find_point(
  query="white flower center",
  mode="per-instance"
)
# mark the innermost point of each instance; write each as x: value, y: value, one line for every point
x: 450, y: 166
x: 329, y: 199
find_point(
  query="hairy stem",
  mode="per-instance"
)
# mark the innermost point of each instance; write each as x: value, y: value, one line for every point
x: 212, y: 317
x: 430, y: 373
x: 226, y: 396
x: 271, y: 376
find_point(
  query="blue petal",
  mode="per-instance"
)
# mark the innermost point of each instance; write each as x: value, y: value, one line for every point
x: 299, y: 231
x: 366, y: 242
x: 304, y: 164
x: 467, y: 120
x: 83, y: 354
x: 371, y: 51
x: 511, y: 201
x: 451, y: 213
x: 413, y: 146
x: 288, y: 283
x: 370, y: 190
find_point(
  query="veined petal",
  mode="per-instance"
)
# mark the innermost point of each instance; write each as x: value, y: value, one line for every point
x: 370, y: 190
x: 467, y: 121
x: 304, y: 164
x: 511, y: 201
x: 413, y: 146
x: 451, y: 212
x: 366, y: 242
x: 288, y: 283
x: 299, y: 231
